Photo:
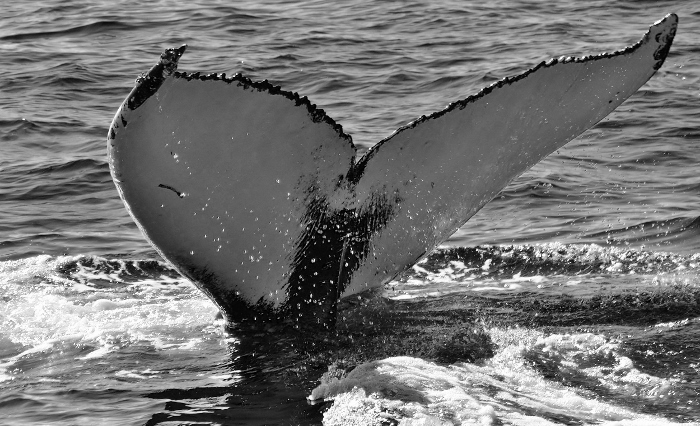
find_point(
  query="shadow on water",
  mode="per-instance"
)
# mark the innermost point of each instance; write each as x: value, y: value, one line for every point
x: 272, y: 377
x: 277, y: 369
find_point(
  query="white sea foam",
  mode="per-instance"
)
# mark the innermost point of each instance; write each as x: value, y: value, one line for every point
x: 6, y: 364
x: 99, y: 352
x: 673, y: 324
x: 98, y: 308
x: 503, y: 390
x: 130, y: 375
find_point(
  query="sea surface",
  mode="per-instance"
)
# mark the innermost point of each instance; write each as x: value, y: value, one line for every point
x: 572, y: 298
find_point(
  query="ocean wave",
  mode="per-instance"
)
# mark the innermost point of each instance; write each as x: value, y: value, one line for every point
x: 58, y: 183
x: 62, y: 299
x: 678, y: 232
x: 446, y: 264
x: 85, y: 29
x: 64, y: 166
x: 18, y: 125
x: 84, y: 269
x: 94, y: 308
x: 534, y: 377
x: 555, y: 259
x: 97, y: 270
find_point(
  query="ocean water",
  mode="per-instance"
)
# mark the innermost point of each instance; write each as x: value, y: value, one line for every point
x: 572, y: 298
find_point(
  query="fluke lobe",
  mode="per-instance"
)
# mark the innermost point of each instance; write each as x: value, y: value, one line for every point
x: 256, y: 195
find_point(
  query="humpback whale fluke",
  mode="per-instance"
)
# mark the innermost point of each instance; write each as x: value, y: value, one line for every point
x: 256, y: 195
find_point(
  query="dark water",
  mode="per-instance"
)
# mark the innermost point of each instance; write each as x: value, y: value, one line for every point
x: 571, y: 298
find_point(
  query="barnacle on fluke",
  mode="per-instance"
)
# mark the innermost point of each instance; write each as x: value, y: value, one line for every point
x: 280, y: 219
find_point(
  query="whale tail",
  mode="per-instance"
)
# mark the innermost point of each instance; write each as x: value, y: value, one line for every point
x: 257, y: 196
